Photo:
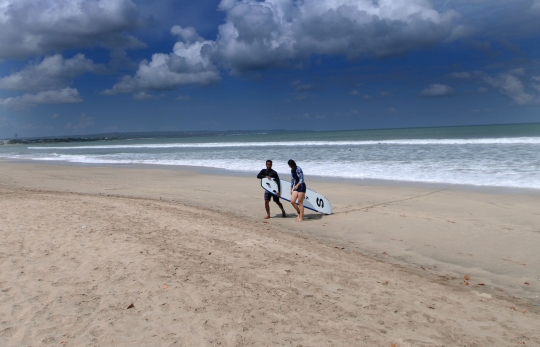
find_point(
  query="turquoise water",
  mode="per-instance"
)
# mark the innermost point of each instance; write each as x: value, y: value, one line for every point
x: 498, y: 155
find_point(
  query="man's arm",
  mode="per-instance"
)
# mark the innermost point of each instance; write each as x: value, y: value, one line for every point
x: 262, y: 174
x: 276, y: 177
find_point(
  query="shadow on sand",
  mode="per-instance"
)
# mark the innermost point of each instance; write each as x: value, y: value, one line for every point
x: 307, y: 216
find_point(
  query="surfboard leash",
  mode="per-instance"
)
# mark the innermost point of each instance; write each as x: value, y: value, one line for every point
x: 393, y: 201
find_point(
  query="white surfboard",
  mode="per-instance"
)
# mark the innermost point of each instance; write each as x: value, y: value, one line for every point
x: 313, y: 201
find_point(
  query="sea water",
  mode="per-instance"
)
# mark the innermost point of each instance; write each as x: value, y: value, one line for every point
x: 498, y: 155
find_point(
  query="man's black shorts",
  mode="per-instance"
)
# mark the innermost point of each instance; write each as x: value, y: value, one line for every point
x: 268, y: 196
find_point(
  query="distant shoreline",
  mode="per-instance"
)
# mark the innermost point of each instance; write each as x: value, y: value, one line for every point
x: 138, y: 136
x: 209, y: 133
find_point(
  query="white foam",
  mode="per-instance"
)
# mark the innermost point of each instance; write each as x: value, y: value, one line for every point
x: 416, y: 142
x: 509, y: 162
x: 396, y: 171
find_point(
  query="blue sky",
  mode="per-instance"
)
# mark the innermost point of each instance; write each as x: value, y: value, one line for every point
x: 88, y: 66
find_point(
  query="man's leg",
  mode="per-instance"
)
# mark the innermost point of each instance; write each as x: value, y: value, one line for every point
x: 276, y: 200
x: 267, y: 208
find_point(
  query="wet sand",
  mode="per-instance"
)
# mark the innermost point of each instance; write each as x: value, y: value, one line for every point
x: 193, y: 254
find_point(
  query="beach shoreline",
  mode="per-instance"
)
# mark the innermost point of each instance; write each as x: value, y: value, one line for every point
x: 347, y: 180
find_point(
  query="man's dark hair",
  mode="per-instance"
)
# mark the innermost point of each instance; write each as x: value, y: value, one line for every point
x: 291, y: 163
x: 269, y: 161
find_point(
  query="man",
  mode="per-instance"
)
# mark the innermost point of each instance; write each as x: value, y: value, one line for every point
x: 269, y: 173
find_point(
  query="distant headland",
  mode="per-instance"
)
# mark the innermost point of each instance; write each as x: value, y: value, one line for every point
x: 136, y: 135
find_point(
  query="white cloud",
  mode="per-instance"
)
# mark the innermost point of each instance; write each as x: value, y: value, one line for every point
x: 183, y: 98
x: 512, y: 83
x: 280, y: 33
x: 355, y: 92
x: 51, y: 73
x: 517, y: 72
x: 436, y: 90
x: 189, y: 63
x: 509, y: 84
x: 270, y: 33
x: 188, y: 34
x: 33, y: 28
x: 62, y: 96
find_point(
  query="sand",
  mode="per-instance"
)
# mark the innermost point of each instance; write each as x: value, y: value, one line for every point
x: 201, y: 267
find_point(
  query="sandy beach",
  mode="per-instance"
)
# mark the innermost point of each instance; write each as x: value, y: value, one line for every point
x: 154, y: 256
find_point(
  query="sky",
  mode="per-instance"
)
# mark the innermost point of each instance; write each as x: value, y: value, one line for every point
x: 89, y: 66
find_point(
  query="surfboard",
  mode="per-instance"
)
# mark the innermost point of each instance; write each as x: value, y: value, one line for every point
x: 313, y: 201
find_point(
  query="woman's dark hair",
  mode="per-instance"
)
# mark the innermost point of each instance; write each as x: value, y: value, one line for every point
x: 291, y: 163
x: 269, y: 161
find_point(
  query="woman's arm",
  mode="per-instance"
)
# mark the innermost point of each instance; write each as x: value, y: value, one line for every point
x: 300, y: 174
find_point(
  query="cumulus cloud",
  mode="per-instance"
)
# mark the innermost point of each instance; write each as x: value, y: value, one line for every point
x: 270, y: 33
x: 436, y: 91
x: 280, y: 33
x: 62, y: 96
x: 189, y: 63
x: 51, y: 73
x: 29, y: 27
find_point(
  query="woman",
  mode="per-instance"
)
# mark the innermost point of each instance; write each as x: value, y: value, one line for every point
x: 298, y: 189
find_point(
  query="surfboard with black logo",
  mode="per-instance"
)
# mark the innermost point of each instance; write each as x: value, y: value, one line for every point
x: 313, y: 201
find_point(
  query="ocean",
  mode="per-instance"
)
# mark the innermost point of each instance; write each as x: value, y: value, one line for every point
x: 495, y: 155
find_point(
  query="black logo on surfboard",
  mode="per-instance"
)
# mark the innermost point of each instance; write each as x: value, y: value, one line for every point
x: 320, y: 202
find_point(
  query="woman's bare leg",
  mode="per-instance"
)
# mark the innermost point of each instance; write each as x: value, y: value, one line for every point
x: 294, y: 196
x: 301, y: 197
